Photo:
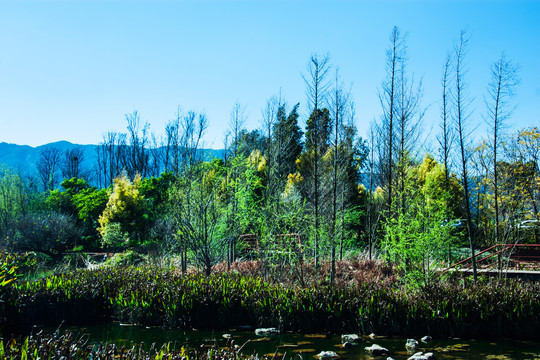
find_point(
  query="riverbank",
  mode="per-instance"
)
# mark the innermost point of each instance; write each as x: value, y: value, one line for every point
x: 166, y: 298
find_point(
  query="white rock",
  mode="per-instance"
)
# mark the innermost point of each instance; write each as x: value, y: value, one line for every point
x: 266, y: 331
x: 351, y: 338
x: 426, y: 338
x: 376, y: 350
x: 411, y: 344
x: 422, y: 356
x: 327, y: 355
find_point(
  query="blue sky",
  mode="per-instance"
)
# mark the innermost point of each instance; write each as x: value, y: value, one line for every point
x: 70, y: 70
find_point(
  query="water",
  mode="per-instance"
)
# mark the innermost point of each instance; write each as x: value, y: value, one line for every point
x: 307, y: 345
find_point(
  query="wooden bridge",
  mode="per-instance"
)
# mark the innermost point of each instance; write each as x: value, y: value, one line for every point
x: 508, y: 260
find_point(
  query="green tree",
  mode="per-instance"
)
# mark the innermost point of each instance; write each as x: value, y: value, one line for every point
x: 124, y: 219
x: 84, y: 203
x: 417, y: 240
x: 13, y: 198
x: 199, y: 211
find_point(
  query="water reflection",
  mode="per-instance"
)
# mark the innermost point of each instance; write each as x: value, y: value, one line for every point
x: 306, y: 345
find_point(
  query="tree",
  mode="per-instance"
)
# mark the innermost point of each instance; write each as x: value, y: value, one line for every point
x: 317, y: 131
x: 461, y: 116
x: 525, y: 155
x: 388, y: 97
x: 46, y: 232
x: 48, y: 166
x: 501, y: 88
x: 287, y: 138
x: 13, y: 198
x: 310, y: 166
x: 136, y: 156
x: 124, y: 218
x: 201, y: 224
x: 446, y: 136
x: 71, y: 165
x: 416, y: 240
x: 110, y: 153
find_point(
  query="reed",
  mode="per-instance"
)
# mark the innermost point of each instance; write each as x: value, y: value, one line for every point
x: 167, y: 298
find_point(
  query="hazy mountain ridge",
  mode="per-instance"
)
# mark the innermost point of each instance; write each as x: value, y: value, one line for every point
x: 22, y: 159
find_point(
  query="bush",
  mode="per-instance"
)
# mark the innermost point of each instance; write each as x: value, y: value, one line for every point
x: 50, y: 233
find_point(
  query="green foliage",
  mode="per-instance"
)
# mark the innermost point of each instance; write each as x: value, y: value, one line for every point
x: 417, y: 238
x: 13, y: 198
x: 155, y: 192
x: 83, y: 202
x: 47, y: 232
x: 124, y: 217
x: 8, y: 267
x: 198, y: 208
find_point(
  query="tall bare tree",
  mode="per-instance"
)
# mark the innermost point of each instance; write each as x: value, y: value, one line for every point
x: 388, y: 97
x: 136, y: 157
x: 110, y: 153
x: 461, y: 103
x: 446, y: 137
x: 71, y: 164
x: 504, y: 80
x: 317, y: 86
x: 410, y: 113
x: 48, y: 166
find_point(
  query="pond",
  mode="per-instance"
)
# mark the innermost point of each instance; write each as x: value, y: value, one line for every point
x: 306, y: 345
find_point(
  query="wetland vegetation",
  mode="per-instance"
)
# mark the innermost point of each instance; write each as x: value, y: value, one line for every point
x: 305, y: 231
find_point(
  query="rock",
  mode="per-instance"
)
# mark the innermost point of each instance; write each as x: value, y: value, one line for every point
x: 376, y: 350
x: 426, y: 338
x: 422, y: 356
x: 389, y: 358
x: 411, y: 344
x: 227, y: 336
x: 351, y: 338
x: 266, y: 331
x: 327, y: 355
x: 349, y: 345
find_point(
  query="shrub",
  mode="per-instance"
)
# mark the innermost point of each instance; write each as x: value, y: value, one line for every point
x: 49, y: 232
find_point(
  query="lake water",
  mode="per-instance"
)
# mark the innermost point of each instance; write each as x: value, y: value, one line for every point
x: 308, y: 345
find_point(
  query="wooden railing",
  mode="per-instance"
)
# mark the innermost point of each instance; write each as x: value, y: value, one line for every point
x: 518, y: 252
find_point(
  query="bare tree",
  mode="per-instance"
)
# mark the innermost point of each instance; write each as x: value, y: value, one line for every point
x: 446, y: 136
x: 236, y: 125
x: 340, y: 102
x: 504, y: 80
x: 316, y: 91
x: 193, y: 129
x: 48, y: 165
x: 388, y: 96
x: 71, y: 165
x: 136, y: 159
x: 462, y: 114
x: 110, y: 154
x: 410, y: 114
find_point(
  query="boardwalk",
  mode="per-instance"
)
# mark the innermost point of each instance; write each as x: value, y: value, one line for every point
x: 520, y: 274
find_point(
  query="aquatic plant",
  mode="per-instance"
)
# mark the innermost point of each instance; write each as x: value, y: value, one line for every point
x: 69, y: 346
x: 149, y: 296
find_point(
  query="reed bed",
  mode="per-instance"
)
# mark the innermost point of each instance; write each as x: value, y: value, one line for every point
x: 152, y: 297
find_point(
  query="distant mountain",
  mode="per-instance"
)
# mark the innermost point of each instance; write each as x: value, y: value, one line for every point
x: 23, y: 158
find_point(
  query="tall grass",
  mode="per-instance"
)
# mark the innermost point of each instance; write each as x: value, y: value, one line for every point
x: 167, y: 298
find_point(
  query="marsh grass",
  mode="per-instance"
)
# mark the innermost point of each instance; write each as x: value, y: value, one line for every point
x: 367, y: 297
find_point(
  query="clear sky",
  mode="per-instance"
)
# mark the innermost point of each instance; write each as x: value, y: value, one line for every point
x: 70, y: 70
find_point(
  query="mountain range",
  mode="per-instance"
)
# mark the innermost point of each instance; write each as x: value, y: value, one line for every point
x: 22, y: 159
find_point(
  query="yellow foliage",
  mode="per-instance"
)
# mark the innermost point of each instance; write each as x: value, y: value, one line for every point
x: 257, y: 160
